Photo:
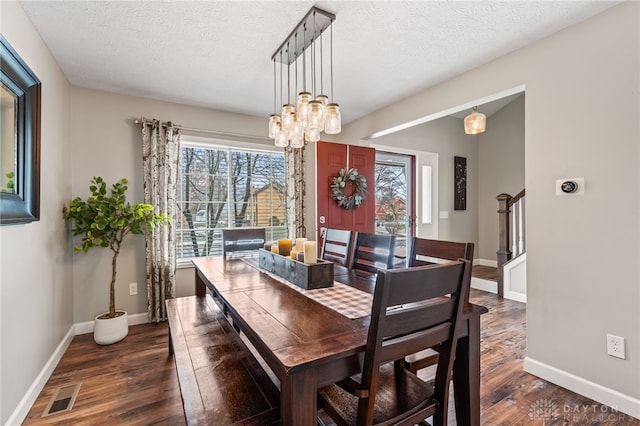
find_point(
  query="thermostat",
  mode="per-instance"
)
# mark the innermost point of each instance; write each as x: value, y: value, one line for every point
x: 570, y: 186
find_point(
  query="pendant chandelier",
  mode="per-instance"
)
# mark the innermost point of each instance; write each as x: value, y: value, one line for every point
x: 475, y: 123
x: 311, y: 112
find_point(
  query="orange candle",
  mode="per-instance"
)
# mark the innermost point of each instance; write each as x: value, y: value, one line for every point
x: 274, y: 248
x: 294, y: 254
x: 284, y: 246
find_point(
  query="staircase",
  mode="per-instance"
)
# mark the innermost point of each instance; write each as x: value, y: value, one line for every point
x: 512, y: 257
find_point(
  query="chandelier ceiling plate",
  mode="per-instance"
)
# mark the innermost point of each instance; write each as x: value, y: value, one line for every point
x: 307, y: 30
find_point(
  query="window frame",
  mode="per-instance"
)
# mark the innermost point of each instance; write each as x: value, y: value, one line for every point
x: 230, y: 146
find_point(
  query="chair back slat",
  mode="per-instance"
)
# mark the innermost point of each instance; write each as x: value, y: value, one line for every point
x: 336, y: 246
x: 441, y: 280
x: 396, y: 348
x: 414, y: 318
x: 373, y: 252
x: 426, y: 252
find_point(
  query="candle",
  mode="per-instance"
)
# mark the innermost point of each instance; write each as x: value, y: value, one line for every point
x: 300, y: 243
x: 274, y: 248
x: 294, y: 254
x: 284, y: 246
x: 310, y: 252
x: 301, y: 256
x: 267, y: 246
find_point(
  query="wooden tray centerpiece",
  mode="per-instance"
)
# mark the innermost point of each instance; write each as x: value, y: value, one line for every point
x: 307, y: 276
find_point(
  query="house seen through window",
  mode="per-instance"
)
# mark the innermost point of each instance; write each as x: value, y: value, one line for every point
x: 226, y: 187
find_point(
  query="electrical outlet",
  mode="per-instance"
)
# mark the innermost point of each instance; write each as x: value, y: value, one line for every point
x: 615, y: 346
x: 133, y: 289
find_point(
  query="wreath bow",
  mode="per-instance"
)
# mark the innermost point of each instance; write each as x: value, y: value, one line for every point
x: 339, y: 183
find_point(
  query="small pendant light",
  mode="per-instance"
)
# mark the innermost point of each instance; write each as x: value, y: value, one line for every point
x: 475, y: 123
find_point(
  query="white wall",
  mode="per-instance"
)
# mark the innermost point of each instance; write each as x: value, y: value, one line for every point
x: 36, y: 300
x: 106, y: 143
x: 500, y: 169
x: 447, y: 138
x: 581, y: 115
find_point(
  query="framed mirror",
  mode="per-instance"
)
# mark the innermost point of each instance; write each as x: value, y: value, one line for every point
x: 19, y: 139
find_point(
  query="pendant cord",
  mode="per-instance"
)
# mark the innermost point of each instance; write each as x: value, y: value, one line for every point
x: 331, y: 59
x: 321, y: 67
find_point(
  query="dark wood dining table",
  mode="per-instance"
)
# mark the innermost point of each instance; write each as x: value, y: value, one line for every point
x: 308, y: 345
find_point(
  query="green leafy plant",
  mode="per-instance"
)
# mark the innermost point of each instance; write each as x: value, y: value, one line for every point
x: 105, y: 219
x: 10, y: 184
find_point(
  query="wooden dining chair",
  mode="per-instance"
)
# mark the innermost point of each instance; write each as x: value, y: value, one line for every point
x: 424, y: 251
x: 242, y: 240
x: 372, y: 252
x: 336, y: 246
x: 410, y: 312
x: 428, y: 252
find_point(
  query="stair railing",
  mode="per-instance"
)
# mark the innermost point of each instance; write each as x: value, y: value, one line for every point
x: 511, y: 238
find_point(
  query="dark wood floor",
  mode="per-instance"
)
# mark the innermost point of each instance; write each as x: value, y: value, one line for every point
x: 134, y: 382
x: 485, y: 272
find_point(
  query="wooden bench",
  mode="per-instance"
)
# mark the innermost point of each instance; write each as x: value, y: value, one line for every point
x: 242, y: 239
x: 220, y: 381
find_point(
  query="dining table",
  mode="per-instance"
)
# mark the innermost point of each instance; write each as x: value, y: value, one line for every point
x: 313, y: 338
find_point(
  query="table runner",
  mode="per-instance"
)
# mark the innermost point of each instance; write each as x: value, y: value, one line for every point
x: 344, y: 299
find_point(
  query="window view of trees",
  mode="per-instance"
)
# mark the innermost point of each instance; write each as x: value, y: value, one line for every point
x: 227, y: 188
x: 391, y: 197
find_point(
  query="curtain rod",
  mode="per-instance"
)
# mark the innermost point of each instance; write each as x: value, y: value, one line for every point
x: 222, y: 135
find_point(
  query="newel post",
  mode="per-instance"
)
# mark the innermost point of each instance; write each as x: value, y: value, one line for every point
x: 504, y: 253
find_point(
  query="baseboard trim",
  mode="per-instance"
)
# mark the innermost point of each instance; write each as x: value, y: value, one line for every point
x: 484, y: 285
x: 486, y: 262
x: 87, y: 326
x: 22, y: 410
x: 616, y: 400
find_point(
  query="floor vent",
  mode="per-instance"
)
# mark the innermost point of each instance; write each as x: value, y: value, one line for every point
x: 62, y: 400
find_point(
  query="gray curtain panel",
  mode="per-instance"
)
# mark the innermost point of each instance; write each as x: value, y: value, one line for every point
x: 160, y: 150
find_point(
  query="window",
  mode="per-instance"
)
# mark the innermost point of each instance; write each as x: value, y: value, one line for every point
x: 225, y: 187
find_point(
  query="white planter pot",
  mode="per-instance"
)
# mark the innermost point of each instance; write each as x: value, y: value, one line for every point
x: 110, y: 330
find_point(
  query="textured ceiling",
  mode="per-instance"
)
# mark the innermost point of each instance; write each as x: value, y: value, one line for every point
x: 217, y: 54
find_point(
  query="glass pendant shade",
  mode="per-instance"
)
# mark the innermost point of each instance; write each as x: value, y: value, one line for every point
x: 287, y: 117
x: 324, y: 101
x: 297, y: 141
x: 475, y: 123
x: 313, y: 135
x: 282, y: 138
x: 274, y: 122
x: 296, y: 129
x: 316, y: 116
x: 302, y: 106
x: 333, y: 121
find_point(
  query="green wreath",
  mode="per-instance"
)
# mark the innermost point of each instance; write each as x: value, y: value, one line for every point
x: 357, y: 181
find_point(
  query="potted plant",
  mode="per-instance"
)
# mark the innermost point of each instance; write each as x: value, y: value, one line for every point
x: 104, y: 220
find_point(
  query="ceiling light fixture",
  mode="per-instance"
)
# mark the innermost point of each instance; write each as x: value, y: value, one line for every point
x: 312, y: 112
x: 475, y: 123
